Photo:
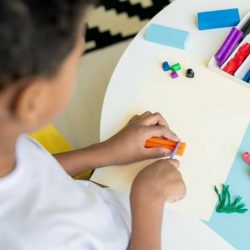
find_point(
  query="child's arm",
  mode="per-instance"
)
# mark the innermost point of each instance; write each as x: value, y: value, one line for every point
x: 157, y: 183
x: 78, y: 161
x: 127, y: 146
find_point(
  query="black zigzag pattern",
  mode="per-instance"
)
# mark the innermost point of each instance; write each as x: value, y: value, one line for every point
x: 103, y: 39
x: 136, y: 9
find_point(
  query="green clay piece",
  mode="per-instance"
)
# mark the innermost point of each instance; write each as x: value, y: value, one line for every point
x: 176, y: 67
x: 224, y: 202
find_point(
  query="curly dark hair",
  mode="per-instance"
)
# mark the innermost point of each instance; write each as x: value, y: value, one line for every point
x: 36, y: 36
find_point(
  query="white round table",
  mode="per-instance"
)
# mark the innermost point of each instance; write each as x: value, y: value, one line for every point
x: 138, y: 57
x: 128, y: 77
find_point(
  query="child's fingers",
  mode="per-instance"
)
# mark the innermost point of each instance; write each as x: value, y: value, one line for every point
x: 154, y: 119
x: 142, y: 116
x: 178, y: 198
x: 174, y: 162
x: 135, y: 117
x: 146, y: 114
x: 162, y: 131
x: 157, y: 152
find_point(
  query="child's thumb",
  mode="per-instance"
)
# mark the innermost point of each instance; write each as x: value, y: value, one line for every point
x: 158, y: 152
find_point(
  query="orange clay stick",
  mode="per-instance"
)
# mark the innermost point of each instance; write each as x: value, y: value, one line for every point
x: 165, y: 143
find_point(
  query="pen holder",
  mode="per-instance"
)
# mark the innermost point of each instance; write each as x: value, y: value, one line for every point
x: 227, y: 62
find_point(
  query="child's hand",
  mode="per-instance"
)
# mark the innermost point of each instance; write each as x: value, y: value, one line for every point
x: 155, y: 184
x: 127, y: 146
x: 160, y: 181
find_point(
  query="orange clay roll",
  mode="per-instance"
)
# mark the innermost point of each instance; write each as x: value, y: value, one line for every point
x: 165, y: 143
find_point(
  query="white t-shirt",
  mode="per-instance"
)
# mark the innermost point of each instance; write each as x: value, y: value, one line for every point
x: 41, y: 207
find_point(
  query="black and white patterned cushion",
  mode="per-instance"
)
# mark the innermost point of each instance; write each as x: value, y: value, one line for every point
x: 112, y: 21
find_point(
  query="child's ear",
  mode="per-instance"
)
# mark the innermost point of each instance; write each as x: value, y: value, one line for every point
x: 30, y: 104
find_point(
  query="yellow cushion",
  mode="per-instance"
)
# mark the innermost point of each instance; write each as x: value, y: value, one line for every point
x: 55, y: 143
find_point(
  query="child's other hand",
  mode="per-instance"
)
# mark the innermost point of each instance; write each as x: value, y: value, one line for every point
x: 128, y: 145
x: 159, y: 182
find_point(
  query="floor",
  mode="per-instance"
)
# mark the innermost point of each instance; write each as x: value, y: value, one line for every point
x: 80, y: 123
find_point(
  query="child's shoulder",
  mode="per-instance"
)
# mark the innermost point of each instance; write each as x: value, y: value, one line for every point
x: 35, y: 159
x: 25, y: 140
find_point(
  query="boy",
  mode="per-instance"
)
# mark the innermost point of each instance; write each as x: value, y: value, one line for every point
x: 42, y: 207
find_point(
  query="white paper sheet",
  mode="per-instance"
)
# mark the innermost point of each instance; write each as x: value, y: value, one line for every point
x: 181, y: 232
x: 209, y: 112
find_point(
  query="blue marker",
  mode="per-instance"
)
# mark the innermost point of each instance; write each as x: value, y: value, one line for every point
x: 175, y: 150
x: 246, y: 78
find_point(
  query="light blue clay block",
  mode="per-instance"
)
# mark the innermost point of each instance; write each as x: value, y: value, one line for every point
x: 167, y: 36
